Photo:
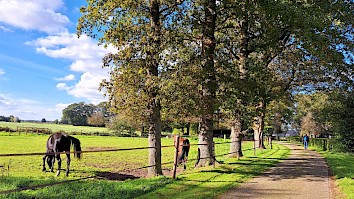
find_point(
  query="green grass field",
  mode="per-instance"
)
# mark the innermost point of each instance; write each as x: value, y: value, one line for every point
x: 96, y: 174
x: 56, y: 127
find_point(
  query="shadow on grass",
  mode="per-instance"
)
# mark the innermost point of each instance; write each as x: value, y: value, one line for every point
x: 110, y: 185
x: 278, y: 158
x: 211, y: 183
x: 22, y: 184
x: 90, y: 187
x: 114, y: 176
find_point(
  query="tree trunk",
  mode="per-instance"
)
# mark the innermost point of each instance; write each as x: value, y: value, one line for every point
x: 236, y: 138
x: 154, y: 107
x: 236, y: 127
x: 205, y: 136
x: 205, y: 144
x: 258, y: 126
x: 244, y: 38
x: 142, y: 129
x: 188, y: 126
x: 155, y: 142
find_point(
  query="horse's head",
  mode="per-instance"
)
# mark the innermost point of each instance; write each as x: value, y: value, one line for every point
x: 50, y: 161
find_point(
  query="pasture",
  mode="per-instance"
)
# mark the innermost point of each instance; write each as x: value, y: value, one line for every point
x: 57, y: 127
x: 115, y: 174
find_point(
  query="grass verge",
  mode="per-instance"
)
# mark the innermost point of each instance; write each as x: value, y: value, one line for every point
x: 341, y: 166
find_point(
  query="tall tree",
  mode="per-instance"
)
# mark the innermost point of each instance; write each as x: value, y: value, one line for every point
x: 269, y: 30
x: 96, y: 119
x: 141, y: 31
x: 206, y: 16
x: 77, y: 113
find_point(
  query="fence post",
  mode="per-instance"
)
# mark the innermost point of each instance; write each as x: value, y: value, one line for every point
x: 176, y: 159
x: 254, y: 147
x: 213, y: 151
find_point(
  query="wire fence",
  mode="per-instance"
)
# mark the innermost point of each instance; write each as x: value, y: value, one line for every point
x: 105, y: 150
x: 95, y: 151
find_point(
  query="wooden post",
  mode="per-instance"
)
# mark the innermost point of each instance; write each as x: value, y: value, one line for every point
x: 213, y: 150
x: 176, y: 159
x: 224, y: 137
x: 254, y: 148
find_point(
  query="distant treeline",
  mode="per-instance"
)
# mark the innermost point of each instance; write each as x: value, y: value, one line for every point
x: 11, y: 118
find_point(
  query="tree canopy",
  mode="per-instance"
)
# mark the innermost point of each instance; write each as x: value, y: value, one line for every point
x: 197, y: 61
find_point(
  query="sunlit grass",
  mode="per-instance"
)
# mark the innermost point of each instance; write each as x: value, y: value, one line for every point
x: 55, y: 127
x: 211, y: 182
x: 341, y: 166
x: 25, y: 171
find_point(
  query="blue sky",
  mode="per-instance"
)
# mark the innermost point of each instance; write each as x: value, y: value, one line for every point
x: 44, y: 67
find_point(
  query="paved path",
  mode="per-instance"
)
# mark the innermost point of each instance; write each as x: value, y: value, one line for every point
x: 304, y: 174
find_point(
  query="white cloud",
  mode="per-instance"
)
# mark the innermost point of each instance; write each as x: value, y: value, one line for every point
x: 61, y: 106
x: 40, y: 15
x: 62, y: 86
x: 5, y: 29
x: 66, y: 78
x: 87, y: 88
x: 27, y: 109
x: 6, y: 102
x: 27, y: 112
x: 86, y: 57
x: 83, y: 51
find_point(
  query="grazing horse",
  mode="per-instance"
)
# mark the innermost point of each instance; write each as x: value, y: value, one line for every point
x: 60, y: 142
x: 183, y: 150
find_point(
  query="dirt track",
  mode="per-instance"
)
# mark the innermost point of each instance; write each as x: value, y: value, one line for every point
x: 304, y: 174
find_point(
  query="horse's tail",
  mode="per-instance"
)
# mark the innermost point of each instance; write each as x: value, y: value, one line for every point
x: 185, y: 150
x: 77, y: 146
x: 187, y: 146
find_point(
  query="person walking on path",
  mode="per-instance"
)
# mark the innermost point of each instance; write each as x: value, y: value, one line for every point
x: 306, y: 141
x: 304, y: 174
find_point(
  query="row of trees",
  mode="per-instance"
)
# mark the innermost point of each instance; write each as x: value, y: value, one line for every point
x: 11, y: 118
x: 327, y: 113
x: 82, y: 114
x: 218, y: 60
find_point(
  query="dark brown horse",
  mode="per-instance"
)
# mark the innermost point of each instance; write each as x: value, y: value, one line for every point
x: 57, y: 143
x: 183, y: 150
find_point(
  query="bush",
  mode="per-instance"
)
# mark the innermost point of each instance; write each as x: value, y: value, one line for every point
x: 326, y: 144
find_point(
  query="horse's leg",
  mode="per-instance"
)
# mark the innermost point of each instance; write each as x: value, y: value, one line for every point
x: 50, y: 161
x: 198, y: 158
x: 57, y: 156
x: 44, y: 158
x: 184, y: 157
x: 67, y: 163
